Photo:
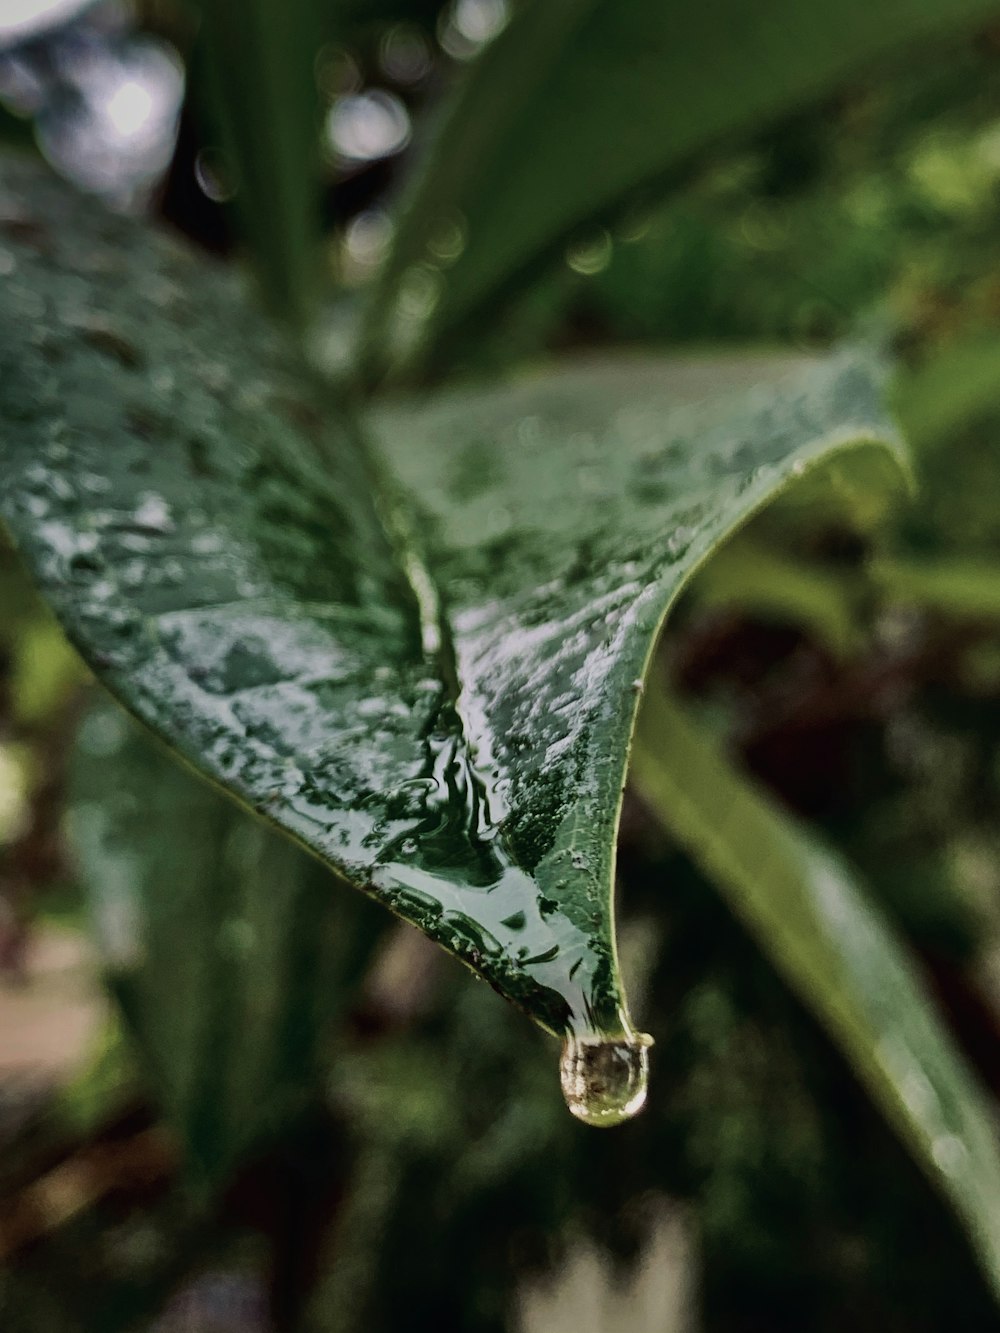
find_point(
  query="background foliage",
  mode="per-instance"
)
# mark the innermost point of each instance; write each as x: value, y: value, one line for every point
x: 417, y: 1166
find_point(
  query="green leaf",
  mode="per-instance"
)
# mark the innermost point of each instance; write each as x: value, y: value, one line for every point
x: 955, y: 385
x: 441, y: 707
x: 225, y: 947
x: 808, y: 913
x: 954, y: 586
x: 773, y: 586
x: 577, y: 107
x: 255, y: 64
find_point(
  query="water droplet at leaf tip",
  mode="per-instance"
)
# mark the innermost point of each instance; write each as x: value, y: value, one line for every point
x: 604, y: 1080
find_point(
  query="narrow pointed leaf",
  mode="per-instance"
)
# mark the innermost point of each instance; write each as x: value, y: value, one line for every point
x: 579, y: 105
x: 561, y: 516
x: 257, y: 67
x: 810, y: 915
x: 227, y: 948
x: 440, y: 707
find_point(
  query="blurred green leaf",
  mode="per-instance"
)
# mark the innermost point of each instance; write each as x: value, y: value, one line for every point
x: 577, y: 108
x: 774, y: 586
x: 963, y: 587
x: 255, y: 64
x: 228, y: 952
x: 441, y: 709
x: 953, y: 386
x: 45, y: 670
x: 807, y: 912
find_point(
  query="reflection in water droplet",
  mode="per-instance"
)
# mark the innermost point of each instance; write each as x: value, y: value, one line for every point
x: 405, y: 55
x: 214, y: 175
x: 153, y: 515
x: 366, y: 242
x: 604, y: 1080
x: 448, y: 239
x: 590, y: 254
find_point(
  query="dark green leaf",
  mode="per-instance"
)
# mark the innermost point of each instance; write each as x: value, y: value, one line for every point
x: 228, y: 949
x: 809, y: 915
x: 256, y: 61
x: 953, y: 586
x: 455, y: 741
x: 577, y: 106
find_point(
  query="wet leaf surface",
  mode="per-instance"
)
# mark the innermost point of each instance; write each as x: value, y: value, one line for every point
x: 423, y: 661
x: 560, y: 516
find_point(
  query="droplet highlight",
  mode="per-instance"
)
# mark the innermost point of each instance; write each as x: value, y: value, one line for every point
x: 604, y: 1080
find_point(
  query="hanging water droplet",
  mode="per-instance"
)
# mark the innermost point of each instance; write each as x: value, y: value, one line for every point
x: 603, y: 1079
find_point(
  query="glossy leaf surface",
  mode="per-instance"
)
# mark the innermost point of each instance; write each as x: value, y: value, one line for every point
x: 578, y: 106
x: 561, y: 516
x: 808, y: 913
x: 433, y: 690
x: 227, y: 947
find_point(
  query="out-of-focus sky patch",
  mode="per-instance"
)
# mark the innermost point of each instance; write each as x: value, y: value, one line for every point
x: 22, y: 20
x: 104, y: 99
